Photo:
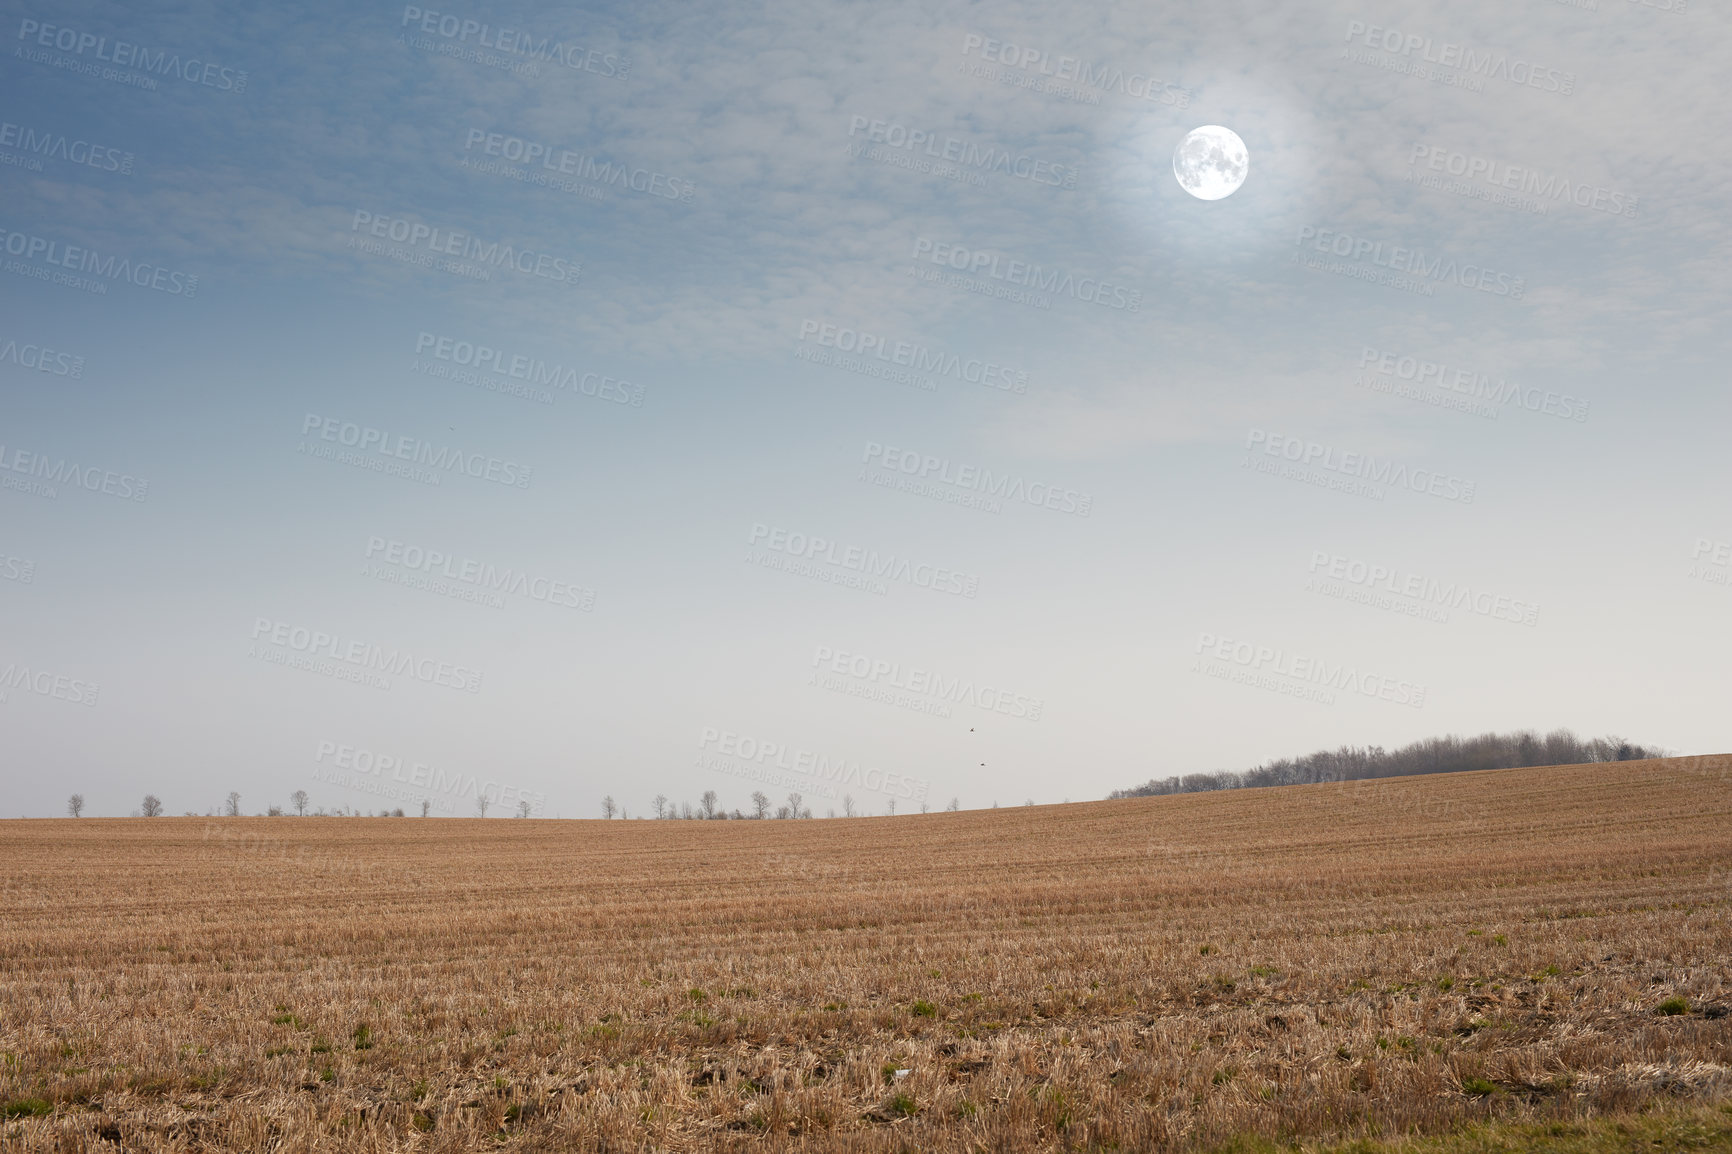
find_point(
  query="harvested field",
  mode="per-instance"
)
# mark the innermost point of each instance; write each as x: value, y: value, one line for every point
x: 1309, y: 963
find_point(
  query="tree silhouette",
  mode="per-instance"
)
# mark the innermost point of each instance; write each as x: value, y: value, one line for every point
x: 1434, y: 755
x: 75, y: 805
x: 152, y: 806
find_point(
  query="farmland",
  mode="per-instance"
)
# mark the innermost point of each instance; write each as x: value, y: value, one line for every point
x: 1314, y: 963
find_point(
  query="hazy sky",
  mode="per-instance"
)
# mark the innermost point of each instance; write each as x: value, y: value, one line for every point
x: 406, y: 401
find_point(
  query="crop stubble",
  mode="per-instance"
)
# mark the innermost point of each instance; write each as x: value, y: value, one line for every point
x: 1308, y: 961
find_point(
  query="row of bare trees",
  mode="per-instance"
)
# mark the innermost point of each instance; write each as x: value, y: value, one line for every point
x: 796, y: 808
x: 152, y: 806
x: 706, y: 809
x: 1433, y: 755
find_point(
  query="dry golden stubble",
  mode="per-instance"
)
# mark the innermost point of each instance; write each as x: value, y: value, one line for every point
x: 1311, y: 961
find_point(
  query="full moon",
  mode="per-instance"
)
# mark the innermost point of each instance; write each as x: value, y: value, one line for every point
x: 1211, y: 162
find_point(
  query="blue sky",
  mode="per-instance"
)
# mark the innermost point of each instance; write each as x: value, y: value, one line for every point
x: 1478, y: 251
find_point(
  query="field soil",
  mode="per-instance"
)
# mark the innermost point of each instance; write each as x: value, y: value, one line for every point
x: 1544, y: 948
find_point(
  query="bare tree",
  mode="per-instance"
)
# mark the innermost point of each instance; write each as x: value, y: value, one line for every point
x: 398, y: 812
x: 232, y: 807
x: 955, y: 804
x: 707, y: 804
x: 523, y: 808
x: 892, y: 807
x: 794, y: 801
x: 686, y: 810
x: 481, y: 803
x: 760, y: 804
x: 426, y: 804
x: 273, y: 811
x: 609, y: 807
x: 848, y: 805
x: 661, y: 804
x: 75, y: 805
x: 298, y: 799
x: 152, y: 806
x: 924, y: 807
x: 781, y: 813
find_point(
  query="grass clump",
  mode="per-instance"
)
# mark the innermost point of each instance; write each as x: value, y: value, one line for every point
x: 27, y: 1108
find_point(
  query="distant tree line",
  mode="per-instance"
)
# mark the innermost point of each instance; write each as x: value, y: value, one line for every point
x: 1433, y: 755
x: 762, y: 809
x: 707, y: 808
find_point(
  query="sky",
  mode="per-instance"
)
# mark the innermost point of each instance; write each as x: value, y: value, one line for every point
x: 551, y: 404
